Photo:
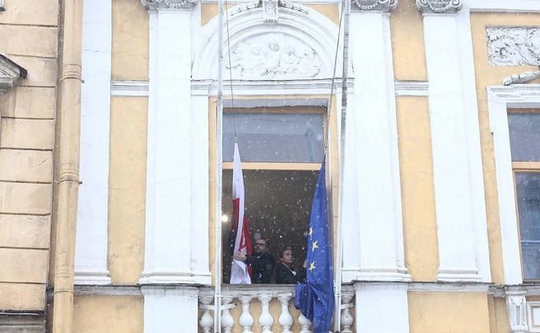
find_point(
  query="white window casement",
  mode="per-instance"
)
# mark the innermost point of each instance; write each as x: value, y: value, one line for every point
x: 524, y: 132
x: 281, y: 151
x: 517, y: 167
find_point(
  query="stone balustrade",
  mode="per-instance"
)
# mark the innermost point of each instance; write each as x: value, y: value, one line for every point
x: 263, y: 308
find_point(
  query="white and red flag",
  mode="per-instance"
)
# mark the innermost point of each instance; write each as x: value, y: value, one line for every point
x: 242, y: 243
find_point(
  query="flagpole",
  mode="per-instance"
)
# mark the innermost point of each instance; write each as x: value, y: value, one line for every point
x: 344, y: 86
x: 219, y: 167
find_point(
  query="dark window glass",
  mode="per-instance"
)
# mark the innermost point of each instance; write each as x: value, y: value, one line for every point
x: 278, y: 204
x: 528, y: 196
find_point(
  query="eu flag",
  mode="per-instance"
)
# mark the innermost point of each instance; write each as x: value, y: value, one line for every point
x: 315, y: 298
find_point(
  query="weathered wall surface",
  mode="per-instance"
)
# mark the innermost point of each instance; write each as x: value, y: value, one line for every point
x: 29, y: 31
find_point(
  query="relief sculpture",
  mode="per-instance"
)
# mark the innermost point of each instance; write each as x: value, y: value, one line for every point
x: 277, y: 56
x: 513, y: 46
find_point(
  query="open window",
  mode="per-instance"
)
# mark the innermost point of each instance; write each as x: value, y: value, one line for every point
x: 281, y: 151
x: 524, y: 129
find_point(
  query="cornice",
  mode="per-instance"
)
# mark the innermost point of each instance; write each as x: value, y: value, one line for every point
x: 172, y: 4
x: 374, y: 5
x: 439, y: 6
x: 10, y: 72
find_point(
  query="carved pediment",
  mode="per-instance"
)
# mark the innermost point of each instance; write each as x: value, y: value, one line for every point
x: 175, y: 4
x: 10, y: 72
x: 438, y: 6
x: 273, y: 56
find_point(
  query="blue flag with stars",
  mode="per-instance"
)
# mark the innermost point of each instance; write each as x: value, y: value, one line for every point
x: 315, y: 298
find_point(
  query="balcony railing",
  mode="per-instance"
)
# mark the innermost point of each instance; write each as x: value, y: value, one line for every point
x: 263, y: 308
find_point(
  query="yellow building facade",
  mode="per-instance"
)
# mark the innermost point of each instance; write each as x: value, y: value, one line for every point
x: 116, y: 132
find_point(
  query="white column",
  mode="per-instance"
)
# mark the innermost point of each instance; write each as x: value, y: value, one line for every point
x: 170, y: 309
x: 474, y: 150
x: 200, y: 189
x: 170, y: 161
x: 450, y: 146
x: 92, y: 215
x: 177, y: 177
x: 375, y: 303
x: 372, y: 214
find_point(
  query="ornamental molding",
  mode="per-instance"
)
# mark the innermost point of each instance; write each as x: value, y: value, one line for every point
x: 171, y: 4
x: 524, y: 77
x: 374, y: 5
x: 270, y: 8
x: 10, y: 73
x: 513, y: 46
x: 273, y: 56
x: 439, y: 6
x: 516, y: 307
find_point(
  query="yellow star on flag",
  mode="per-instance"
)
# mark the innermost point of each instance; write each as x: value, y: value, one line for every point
x: 314, y: 246
x: 312, y: 266
x: 310, y: 231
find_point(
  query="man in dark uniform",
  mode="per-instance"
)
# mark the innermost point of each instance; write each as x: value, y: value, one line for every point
x: 262, y: 263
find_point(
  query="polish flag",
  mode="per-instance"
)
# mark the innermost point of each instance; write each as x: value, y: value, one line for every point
x: 239, y: 269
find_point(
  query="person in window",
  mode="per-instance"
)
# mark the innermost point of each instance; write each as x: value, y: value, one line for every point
x: 285, y: 271
x: 262, y: 263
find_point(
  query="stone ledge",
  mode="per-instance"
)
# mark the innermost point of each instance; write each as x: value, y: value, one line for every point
x: 19, y: 322
x: 10, y: 72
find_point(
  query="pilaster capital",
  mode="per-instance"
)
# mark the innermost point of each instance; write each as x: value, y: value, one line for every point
x: 439, y: 6
x: 374, y: 5
x: 173, y: 4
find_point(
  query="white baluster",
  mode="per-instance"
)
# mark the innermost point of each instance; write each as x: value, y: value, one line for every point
x: 265, y: 319
x: 305, y: 323
x: 346, y: 317
x: 206, y: 322
x: 246, y: 319
x: 227, y: 320
x: 285, y: 318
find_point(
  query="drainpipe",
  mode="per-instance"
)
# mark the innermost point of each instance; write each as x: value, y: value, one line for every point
x: 68, y: 116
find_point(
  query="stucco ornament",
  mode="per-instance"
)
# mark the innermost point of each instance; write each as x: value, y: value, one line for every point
x: 270, y: 8
x: 438, y: 6
x: 516, y: 307
x: 513, y: 46
x: 375, y: 5
x: 276, y: 56
x: 521, y: 78
x: 175, y: 4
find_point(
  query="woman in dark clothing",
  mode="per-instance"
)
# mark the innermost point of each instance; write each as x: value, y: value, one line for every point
x: 285, y: 272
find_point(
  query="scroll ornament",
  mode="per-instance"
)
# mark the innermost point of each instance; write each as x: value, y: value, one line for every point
x: 375, y: 5
x: 439, y: 6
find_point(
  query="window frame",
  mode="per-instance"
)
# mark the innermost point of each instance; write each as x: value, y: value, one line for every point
x: 275, y: 166
x: 501, y: 101
x: 523, y: 167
